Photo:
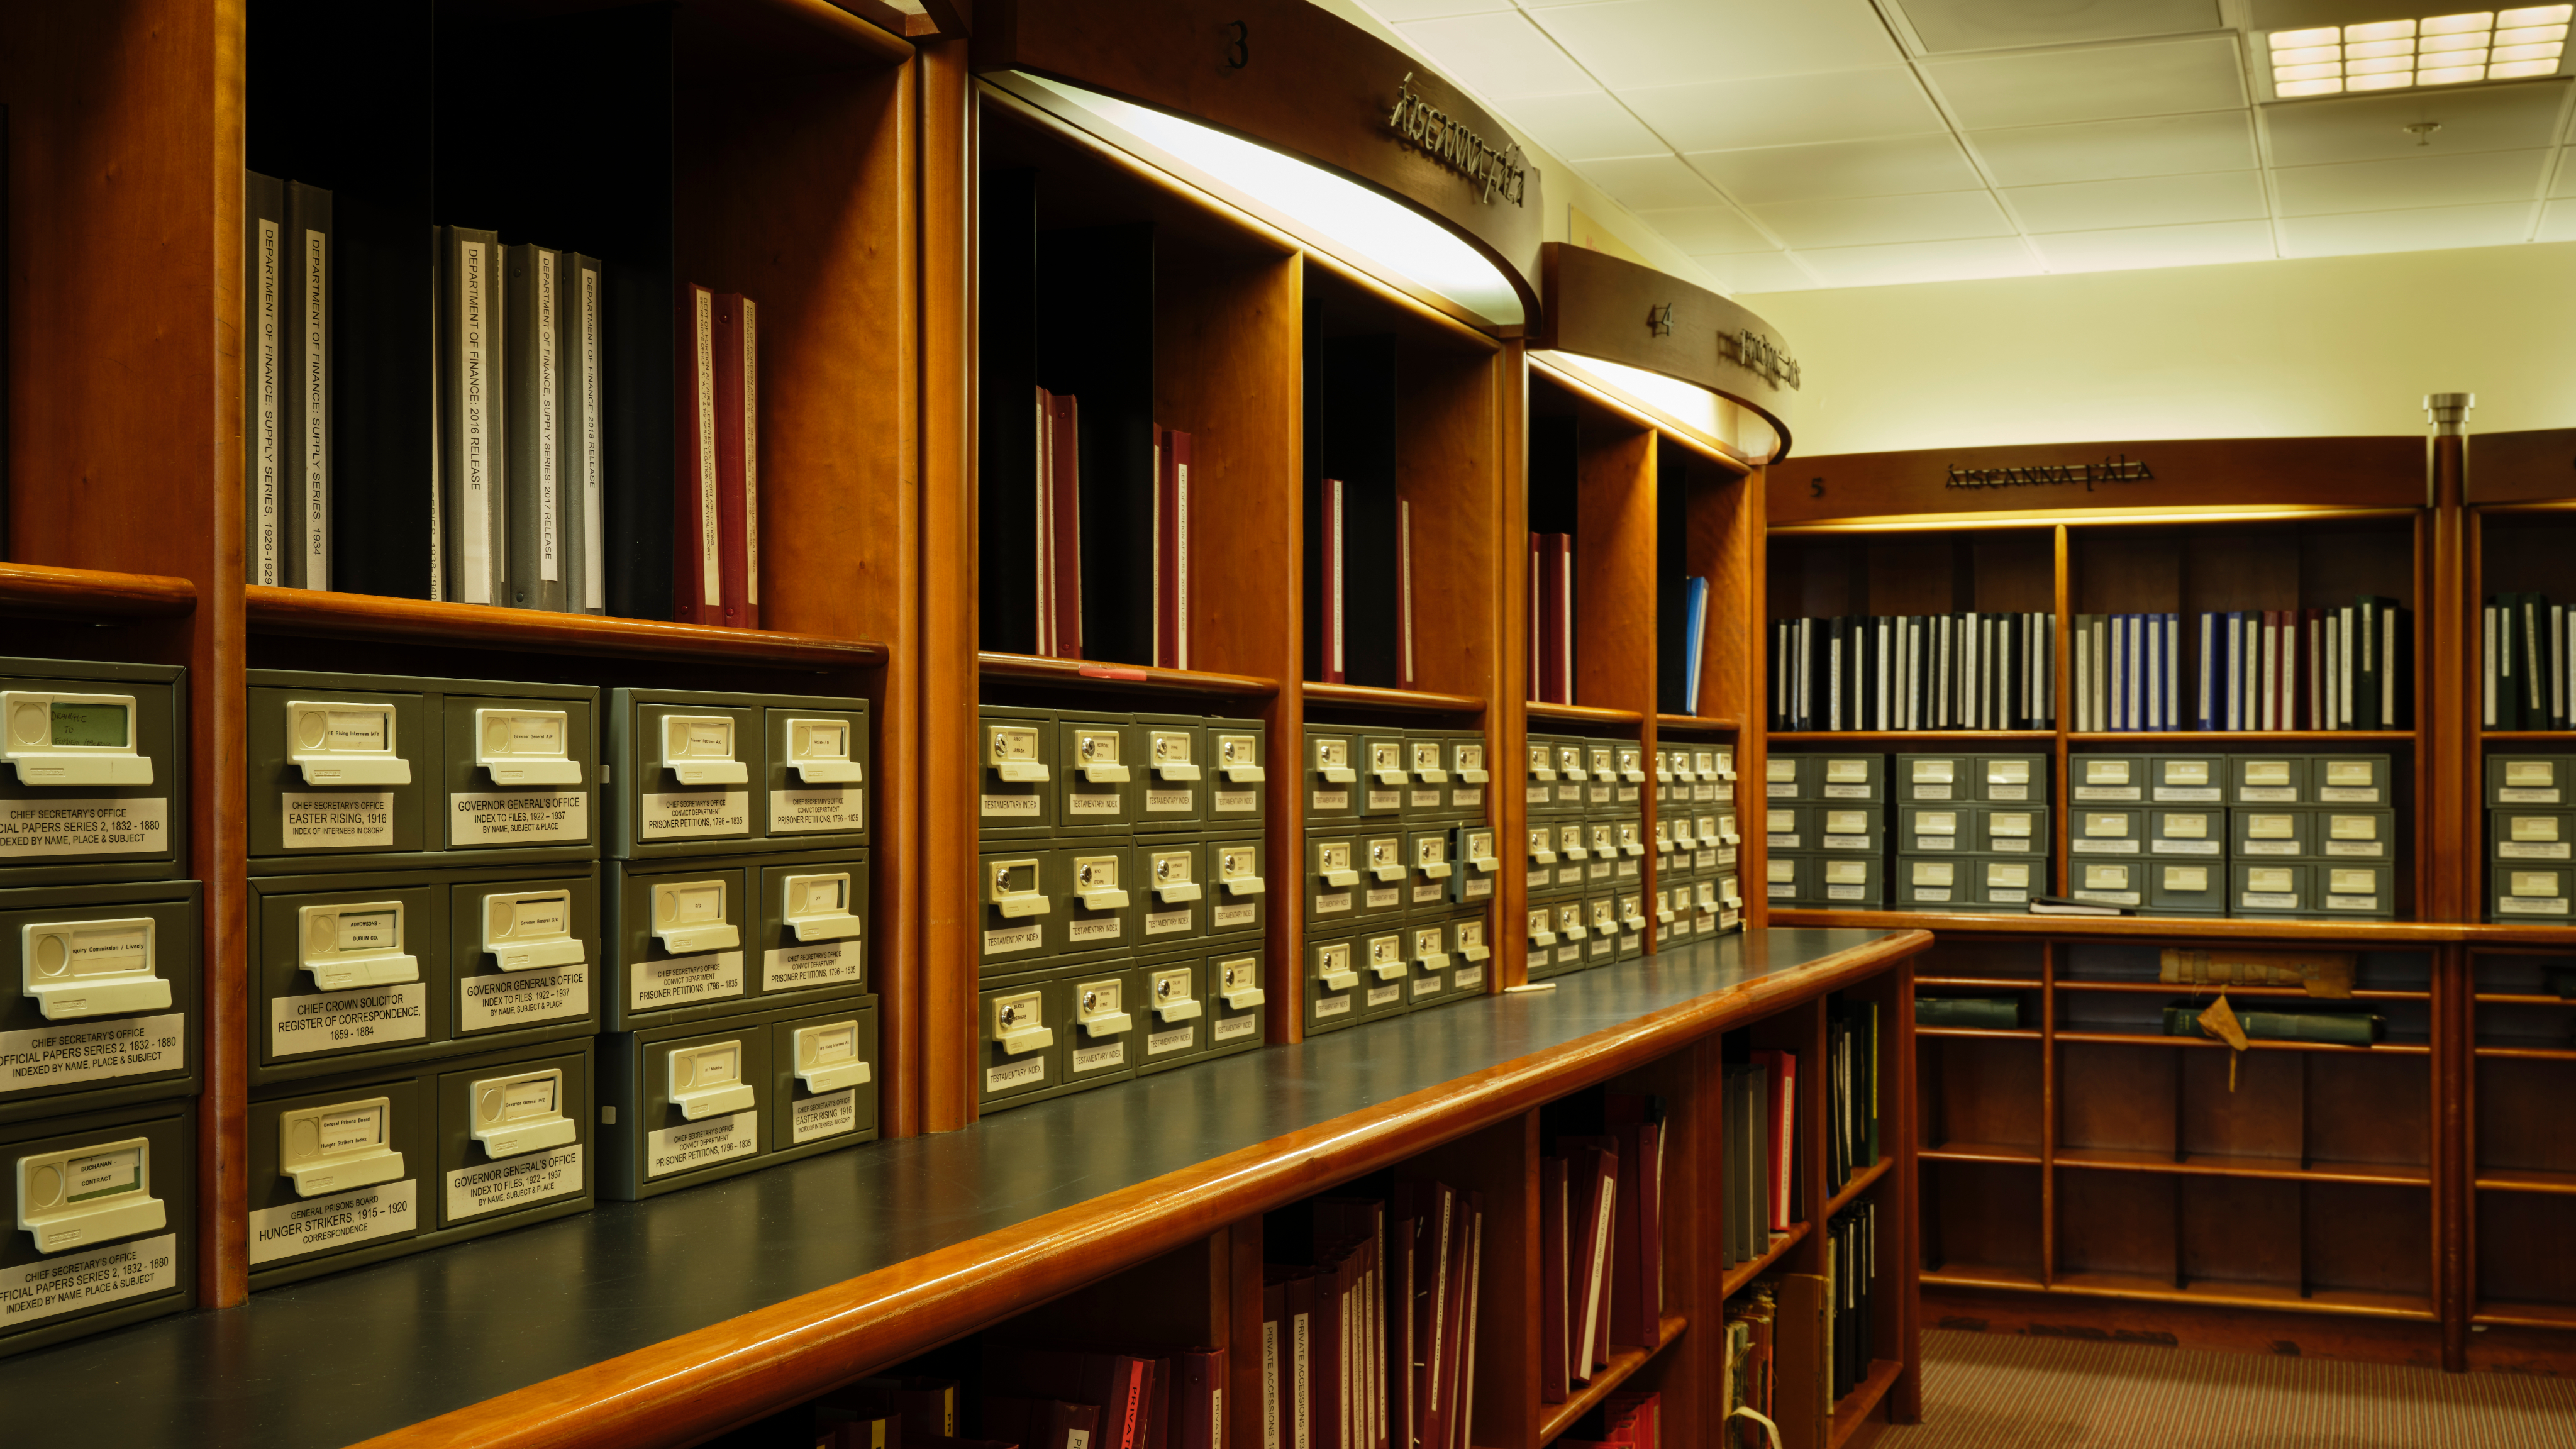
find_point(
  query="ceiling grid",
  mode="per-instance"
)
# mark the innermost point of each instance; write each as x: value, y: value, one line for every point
x: 1792, y: 144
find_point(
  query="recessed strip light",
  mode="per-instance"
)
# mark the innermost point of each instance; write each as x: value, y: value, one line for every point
x: 2437, y: 50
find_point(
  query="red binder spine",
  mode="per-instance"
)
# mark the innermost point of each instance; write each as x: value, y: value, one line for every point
x: 697, y: 580
x: 737, y: 461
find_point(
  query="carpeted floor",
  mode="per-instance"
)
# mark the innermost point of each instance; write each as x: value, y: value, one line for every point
x: 2005, y: 1391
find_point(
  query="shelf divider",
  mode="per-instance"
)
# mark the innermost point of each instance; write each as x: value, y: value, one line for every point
x: 319, y: 614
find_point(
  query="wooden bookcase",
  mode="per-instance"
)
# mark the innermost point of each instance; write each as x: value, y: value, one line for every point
x: 2087, y: 1172
x: 785, y: 166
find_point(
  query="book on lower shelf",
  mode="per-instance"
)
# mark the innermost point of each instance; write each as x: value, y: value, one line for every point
x: 1369, y: 1339
x: 2311, y: 1024
x: 1601, y: 1215
x: 1987, y: 1013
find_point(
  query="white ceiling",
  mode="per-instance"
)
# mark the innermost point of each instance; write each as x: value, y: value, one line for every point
x: 1789, y: 144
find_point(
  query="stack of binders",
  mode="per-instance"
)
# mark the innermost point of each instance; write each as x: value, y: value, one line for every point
x: 1977, y: 671
x: 1370, y: 1341
x: 517, y: 501
x: 287, y: 362
x: 2345, y: 668
x: 2528, y: 661
x: 1764, y: 1169
x: 1046, y: 1397
x: 1601, y: 1246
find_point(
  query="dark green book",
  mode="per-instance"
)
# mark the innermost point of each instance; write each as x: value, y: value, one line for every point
x: 2340, y: 1028
x: 1990, y: 1012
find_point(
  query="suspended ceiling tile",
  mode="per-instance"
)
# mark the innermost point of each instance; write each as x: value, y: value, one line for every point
x: 1952, y: 25
x: 1700, y: 229
x: 2566, y: 172
x: 2372, y: 128
x: 1585, y: 127
x: 2126, y: 248
x: 1650, y: 183
x: 1941, y: 261
x: 2146, y: 201
x: 1864, y: 221
x: 1887, y: 167
x: 2097, y: 83
x: 1498, y: 56
x: 2111, y: 150
x: 1677, y: 42
x: 1846, y: 105
x: 2422, y: 229
x: 2429, y: 180
x: 1395, y: 12
x: 1757, y: 272
x: 2558, y: 223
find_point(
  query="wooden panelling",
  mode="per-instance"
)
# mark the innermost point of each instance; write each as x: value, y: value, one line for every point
x: 941, y: 1044
x: 1614, y: 561
x: 2215, y: 473
x: 2521, y: 467
x: 1603, y: 306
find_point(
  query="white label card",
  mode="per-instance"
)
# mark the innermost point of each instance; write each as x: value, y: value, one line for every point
x: 41, y: 827
x: 337, y: 819
x: 516, y: 998
x: 334, y: 1020
x: 701, y: 1144
x: 291, y: 1230
x: 1179, y: 1038
x: 48, y: 1287
x: 821, y: 807
x: 684, y: 979
x: 1015, y: 1074
x: 1230, y: 1027
x: 89, y: 1051
x: 518, y: 817
x: 830, y: 1115
x: 693, y: 814
x: 488, y: 1187
x: 792, y: 967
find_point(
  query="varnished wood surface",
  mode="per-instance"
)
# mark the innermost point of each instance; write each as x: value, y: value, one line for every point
x: 368, y: 616
x: 92, y: 593
x: 1568, y: 373
x: 906, y: 1244
x: 2202, y: 472
x: 2521, y: 467
x: 1620, y: 311
x: 1583, y: 714
x: 1409, y: 701
x: 1095, y: 674
x: 1690, y: 724
x: 2179, y: 928
x: 1623, y: 1363
x: 951, y: 752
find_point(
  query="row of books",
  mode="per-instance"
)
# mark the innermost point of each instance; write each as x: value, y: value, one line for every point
x: 1058, y: 510
x: 1760, y: 1147
x: 1799, y: 1343
x: 1851, y: 1270
x: 2529, y: 664
x: 1601, y: 1244
x: 2345, y: 668
x: 1551, y: 618
x: 1372, y: 1343
x: 1038, y: 1397
x: 1359, y: 620
x: 1851, y: 1090
x: 1972, y: 671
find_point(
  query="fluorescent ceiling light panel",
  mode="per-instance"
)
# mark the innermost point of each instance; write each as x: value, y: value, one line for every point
x: 2436, y: 50
x: 1366, y: 223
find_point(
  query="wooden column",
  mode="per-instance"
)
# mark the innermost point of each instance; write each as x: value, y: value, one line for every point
x: 944, y: 1026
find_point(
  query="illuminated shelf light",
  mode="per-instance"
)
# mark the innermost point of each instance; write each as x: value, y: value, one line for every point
x: 2439, y: 50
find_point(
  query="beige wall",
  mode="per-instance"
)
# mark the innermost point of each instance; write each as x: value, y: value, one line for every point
x: 2318, y: 347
